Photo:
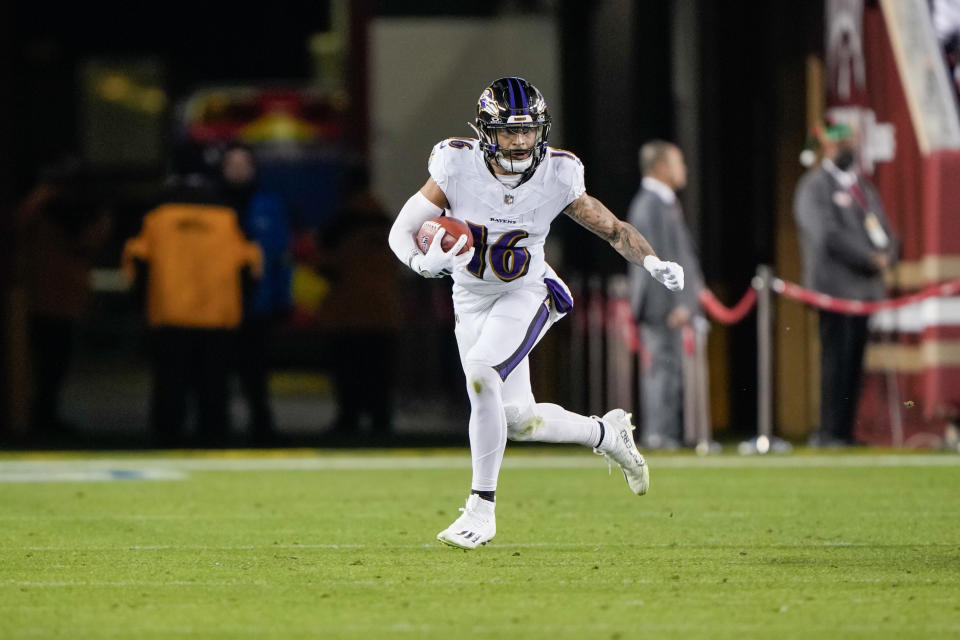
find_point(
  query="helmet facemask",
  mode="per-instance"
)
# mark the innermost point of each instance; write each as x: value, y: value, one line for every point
x: 509, y: 157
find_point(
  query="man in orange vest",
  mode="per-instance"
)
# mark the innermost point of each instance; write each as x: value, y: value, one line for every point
x: 193, y: 256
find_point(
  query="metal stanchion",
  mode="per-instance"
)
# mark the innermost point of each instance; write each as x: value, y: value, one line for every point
x: 765, y: 440
x: 704, y: 432
x: 764, y: 360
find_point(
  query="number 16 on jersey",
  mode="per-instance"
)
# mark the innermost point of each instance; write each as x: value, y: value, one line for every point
x: 507, y: 261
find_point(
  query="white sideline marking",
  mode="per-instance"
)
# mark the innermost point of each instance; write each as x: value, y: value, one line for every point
x: 163, y: 468
x: 44, y: 473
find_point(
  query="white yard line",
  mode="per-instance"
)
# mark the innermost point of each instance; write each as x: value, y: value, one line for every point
x: 101, y: 469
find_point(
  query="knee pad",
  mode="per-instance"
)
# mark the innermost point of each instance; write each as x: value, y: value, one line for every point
x: 522, y: 422
x: 481, y: 379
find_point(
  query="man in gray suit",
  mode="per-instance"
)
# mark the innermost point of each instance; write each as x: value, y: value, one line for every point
x: 846, y: 245
x: 656, y: 212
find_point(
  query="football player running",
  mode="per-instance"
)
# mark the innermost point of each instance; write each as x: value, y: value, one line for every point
x: 508, y: 186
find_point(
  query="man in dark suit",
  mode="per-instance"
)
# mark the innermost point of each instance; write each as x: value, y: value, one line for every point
x: 846, y: 245
x: 656, y: 213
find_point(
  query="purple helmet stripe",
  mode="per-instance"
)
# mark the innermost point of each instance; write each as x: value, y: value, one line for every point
x: 523, y: 95
x: 513, y: 100
x: 529, y: 340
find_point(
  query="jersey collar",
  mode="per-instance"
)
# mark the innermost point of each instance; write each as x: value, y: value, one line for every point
x: 662, y: 191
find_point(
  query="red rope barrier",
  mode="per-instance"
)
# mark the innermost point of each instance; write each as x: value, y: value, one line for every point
x: 860, y: 307
x: 619, y: 314
x: 728, y: 315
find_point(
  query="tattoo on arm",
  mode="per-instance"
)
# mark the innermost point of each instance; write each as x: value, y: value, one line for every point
x: 622, y: 236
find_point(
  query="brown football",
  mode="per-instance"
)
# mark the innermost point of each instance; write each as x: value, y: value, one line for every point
x: 454, y: 227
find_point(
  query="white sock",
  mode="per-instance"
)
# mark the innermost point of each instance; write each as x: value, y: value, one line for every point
x: 488, y: 425
x: 553, y: 423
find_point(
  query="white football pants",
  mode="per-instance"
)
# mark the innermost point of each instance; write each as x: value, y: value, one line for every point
x: 495, y: 333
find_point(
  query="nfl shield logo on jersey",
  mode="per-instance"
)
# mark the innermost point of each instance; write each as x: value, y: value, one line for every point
x: 508, y: 199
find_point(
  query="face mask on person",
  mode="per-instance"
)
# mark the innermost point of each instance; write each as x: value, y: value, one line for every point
x: 845, y: 158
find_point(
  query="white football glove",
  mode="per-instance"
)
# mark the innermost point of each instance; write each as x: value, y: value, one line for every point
x: 436, y: 262
x: 669, y: 274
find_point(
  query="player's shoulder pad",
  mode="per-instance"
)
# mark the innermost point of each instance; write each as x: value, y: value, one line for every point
x: 451, y: 157
x: 454, y: 149
x: 563, y: 154
x: 565, y: 165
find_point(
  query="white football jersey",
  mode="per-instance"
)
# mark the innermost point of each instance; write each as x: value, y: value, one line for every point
x: 509, y: 226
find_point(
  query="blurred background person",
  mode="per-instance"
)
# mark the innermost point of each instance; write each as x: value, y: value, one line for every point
x: 846, y: 246
x: 264, y: 220
x: 191, y: 256
x: 662, y: 314
x: 363, y: 313
x: 61, y: 234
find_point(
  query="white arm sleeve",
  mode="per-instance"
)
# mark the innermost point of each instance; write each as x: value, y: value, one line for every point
x: 414, y: 213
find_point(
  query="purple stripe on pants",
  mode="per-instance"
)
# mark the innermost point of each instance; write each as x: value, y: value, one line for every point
x: 533, y: 332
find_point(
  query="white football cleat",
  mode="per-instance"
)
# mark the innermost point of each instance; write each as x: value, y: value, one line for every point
x: 476, y: 525
x: 618, y: 446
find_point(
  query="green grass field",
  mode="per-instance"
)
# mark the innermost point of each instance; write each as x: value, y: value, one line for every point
x: 308, y: 545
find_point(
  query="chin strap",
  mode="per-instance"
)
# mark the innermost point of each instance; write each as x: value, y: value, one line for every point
x: 500, y: 157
